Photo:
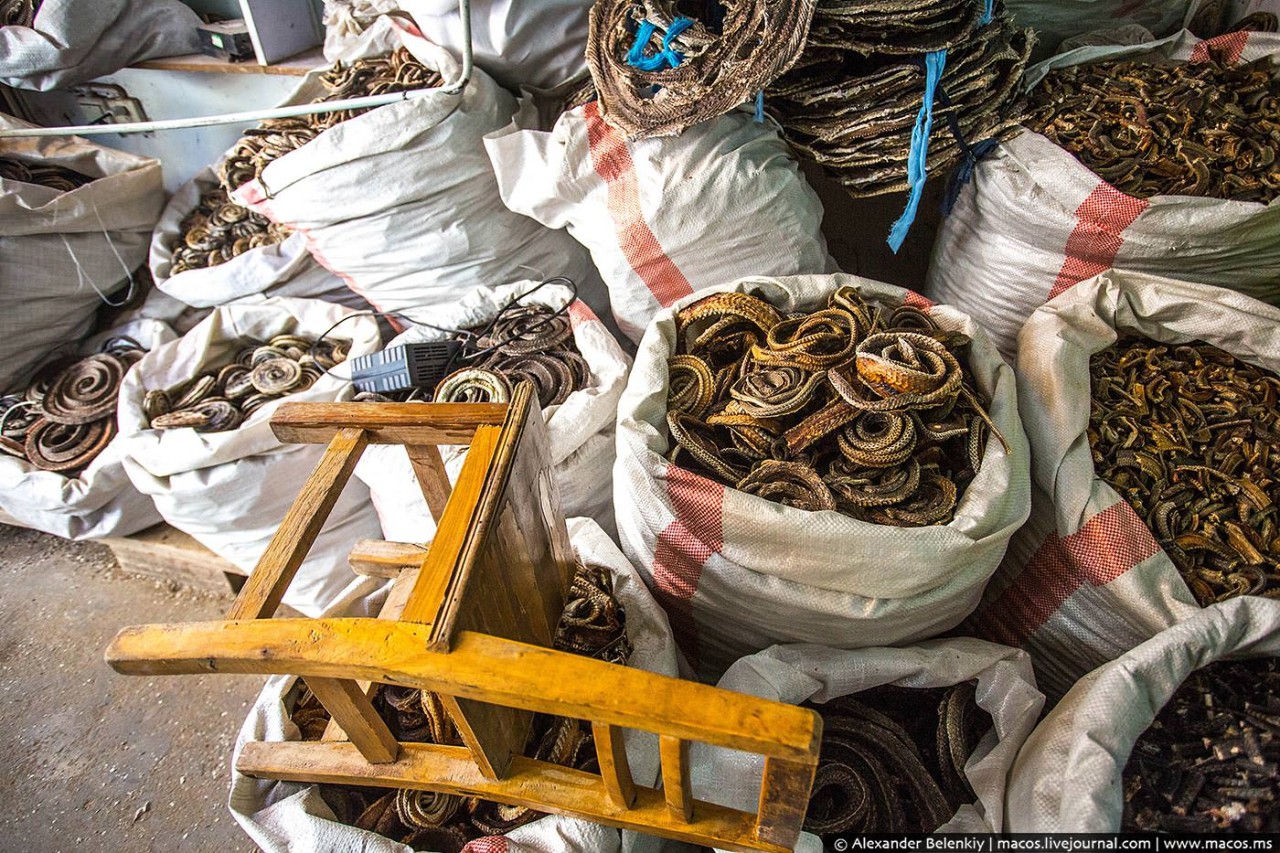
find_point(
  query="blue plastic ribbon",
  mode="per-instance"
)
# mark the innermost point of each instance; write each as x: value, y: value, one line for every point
x: 760, y: 107
x: 664, y: 58
x: 988, y: 12
x: 935, y: 63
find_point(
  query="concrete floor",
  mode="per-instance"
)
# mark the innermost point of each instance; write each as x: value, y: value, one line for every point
x: 92, y: 760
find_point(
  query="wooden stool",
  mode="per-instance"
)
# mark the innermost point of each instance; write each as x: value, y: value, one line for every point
x: 471, y: 617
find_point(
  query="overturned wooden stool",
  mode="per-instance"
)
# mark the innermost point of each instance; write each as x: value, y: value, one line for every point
x: 471, y: 617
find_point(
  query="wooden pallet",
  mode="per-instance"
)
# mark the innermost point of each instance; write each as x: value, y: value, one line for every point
x: 471, y: 617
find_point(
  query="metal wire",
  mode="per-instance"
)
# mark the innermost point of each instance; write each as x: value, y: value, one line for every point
x: 251, y: 116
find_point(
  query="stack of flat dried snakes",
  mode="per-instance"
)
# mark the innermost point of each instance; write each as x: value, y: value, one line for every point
x: 220, y: 400
x: 55, y: 177
x: 852, y: 101
x: 218, y: 229
x: 18, y: 13
x: 1190, y: 437
x: 593, y: 624
x: 657, y: 71
x: 857, y: 407
x: 274, y: 138
x: 67, y: 416
x: 893, y: 759
x: 1209, y: 762
x: 1203, y: 129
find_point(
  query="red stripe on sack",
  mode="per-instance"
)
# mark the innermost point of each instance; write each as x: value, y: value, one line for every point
x: 915, y: 300
x: 580, y: 312
x: 612, y: 161
x: 684, y: 547
x: 1229, y: 47
x: 487, y: 844
x: 1108, y: 545
x: 1095, y: 241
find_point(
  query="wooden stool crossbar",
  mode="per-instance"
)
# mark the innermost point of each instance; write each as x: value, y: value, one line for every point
x: 471, y: 616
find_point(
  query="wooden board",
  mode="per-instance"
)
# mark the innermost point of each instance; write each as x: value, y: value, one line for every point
x: 166, y: 553
x: 296, y: 66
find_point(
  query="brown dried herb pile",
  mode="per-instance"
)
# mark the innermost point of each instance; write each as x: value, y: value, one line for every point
x: 1211, y: 760
x: 1200, y: 129
x: 1189, y: 436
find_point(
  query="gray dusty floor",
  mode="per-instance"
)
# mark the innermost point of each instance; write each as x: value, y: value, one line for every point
x: 95, y: 761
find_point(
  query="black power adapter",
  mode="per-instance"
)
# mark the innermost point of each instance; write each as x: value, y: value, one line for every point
x: 405, y: 367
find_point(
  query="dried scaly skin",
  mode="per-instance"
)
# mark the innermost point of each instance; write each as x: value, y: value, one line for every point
x: 218, y: 230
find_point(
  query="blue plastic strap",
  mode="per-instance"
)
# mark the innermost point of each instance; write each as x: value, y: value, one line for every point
x: 988, y: 12
x: 935, y: 63
x: 665, y: 58
x: 760, y: 107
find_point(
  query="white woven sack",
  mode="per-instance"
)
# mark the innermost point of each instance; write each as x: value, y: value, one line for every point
x: 667, y: 216
x: 74, y: 41
x: 100, y: 501
x: 282, y: 817
x: 806, y: 673
x: 401, y: 202
x: 580, y: 429
x: 63, y: 253
x: 1068, y: 776
x: 738, y: 573
x: 230, y: 490
x: 1035, y: 221
x: 1086, y: 580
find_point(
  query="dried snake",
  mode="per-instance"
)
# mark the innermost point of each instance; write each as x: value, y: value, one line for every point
x: 67, y: 414
x: 218, y: 230
x: 593, y: 624
x: 1189, y: 436
x: 657, y: 71
x: 858, y: 407
x: 220, y: 400
x: 892, y: 760
x: 60, y: 178
x: 1200, y: 129
x: 18, y: 13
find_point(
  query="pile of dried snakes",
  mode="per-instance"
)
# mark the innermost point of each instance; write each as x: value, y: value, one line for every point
x: 592, y: 624
x: 220, y: 400
x: 851, y: 103
x: 657, y: 71
x: 1190, y: 437
x: 1210, y: 762
x: 530, y: 343
x: 18, y: 13
x: 54, y: 177
x: 857, y: 408
x: 274, y: 138
x: 218, y: 229
x: 67, y: 415
x: 893, y: 759
x: 1210, y: 20
x: 1204, y: 129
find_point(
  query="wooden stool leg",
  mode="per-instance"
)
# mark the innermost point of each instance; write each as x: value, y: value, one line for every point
x: 352, y: 710
x: 614, y: 767
x: 676, y: 786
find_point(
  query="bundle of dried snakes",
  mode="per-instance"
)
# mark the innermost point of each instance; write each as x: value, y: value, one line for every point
x: 592, y: 624
x: 18, y: 13
x: 1204, y: 129
x: 54, y: 177
x: 67, y: 416
x: 274, y: 138
x: 857, y: 408
x: 218, y: 229
x: 854, y: 114
x: 1190, y: 437
x: 893, y: 759
x: 1210, y: 762
x: 657, y: 72
x: 220, y: 400
x: 1210, y: 20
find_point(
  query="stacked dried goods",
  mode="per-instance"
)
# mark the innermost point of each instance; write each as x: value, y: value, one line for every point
x: 1189, y: 435
x: 18, y: 13
x: 273, y: 138
x: 658, y: 72
x: 67, y: 416
x: 1209, y: 761
x: 893, y: 760
x: 1201, y: 129
x: 217, y: 401
x: 859, y: 408
x: 51, y: 175
x: 852, y: 102
x: 218, y: 230
x: 593, y: 624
